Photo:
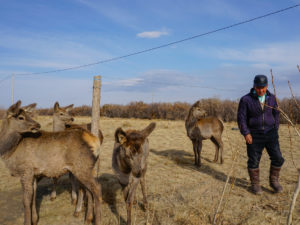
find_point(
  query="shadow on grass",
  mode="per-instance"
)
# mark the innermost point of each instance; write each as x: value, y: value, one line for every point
x: 110, y: 186
x: 186, y: 160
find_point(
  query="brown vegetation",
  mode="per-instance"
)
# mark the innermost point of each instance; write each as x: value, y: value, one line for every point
x: 224, y: 109
x: 177, y: 192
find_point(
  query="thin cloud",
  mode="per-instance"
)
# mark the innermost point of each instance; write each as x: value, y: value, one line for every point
x: 152, y: 34
x: 283, y: 54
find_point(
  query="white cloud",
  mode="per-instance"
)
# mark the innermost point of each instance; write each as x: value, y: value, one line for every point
x: 125, y: 82
x: 152, y: 34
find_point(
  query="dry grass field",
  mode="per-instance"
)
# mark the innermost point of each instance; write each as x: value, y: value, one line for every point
x: 178, y: 192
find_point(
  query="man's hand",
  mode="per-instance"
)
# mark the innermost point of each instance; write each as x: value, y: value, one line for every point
x: 248, y: 139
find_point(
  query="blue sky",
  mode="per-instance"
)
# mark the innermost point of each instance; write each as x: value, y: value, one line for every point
x: 38, y: 36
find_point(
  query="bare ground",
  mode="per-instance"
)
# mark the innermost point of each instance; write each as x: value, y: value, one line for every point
x: 178, y: 192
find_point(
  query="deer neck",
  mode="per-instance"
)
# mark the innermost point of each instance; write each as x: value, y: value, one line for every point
x: 58, y: 125
x: 190, y: 119
x: 190, y: 123
x: 8, y: 140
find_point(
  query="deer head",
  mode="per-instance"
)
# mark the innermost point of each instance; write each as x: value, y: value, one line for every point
x: 131, y: 145
x: 62, y: 114
x: 197, y: 111
x: 19, y: 121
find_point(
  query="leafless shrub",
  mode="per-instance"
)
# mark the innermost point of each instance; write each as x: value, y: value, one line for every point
x: 224, y: 109
x: 2, y: 113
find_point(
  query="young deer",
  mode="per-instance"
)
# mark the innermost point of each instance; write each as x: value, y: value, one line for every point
x: 200, y: 128
x: 62, y: 119
x: 31, y: 154
x: 129, y: 162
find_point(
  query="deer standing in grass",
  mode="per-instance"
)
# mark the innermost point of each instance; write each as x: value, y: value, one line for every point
x: 31, y: 154
x: 200, y: 128
x: 62, y: 119
x: 129, y: 163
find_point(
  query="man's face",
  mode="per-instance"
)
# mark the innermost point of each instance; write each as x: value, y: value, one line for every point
x: 261, y: 91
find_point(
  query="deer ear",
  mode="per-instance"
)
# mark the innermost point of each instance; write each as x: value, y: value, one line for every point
x: 14, y: 109
x: 56, y: 106
x: 69, y: 107
x: 120, y: 136
x: 148, y: 130
x: 29, y: 108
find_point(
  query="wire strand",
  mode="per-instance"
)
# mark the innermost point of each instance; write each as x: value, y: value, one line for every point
x: 161, y: 46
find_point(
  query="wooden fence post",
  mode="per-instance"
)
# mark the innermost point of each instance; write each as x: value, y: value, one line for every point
x: 96, y: 112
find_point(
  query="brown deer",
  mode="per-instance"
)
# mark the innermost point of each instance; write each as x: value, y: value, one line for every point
x: 30, y: 154
x: 129, y: 162
x: 199, y: 128
x: 62, y: 119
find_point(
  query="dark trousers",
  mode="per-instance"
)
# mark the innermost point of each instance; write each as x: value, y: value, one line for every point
x: 261, y: 140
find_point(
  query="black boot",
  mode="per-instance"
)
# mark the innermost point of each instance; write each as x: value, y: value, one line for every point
x: 254, y: 177
x: 274, y: 176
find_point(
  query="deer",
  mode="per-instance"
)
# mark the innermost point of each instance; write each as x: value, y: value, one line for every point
x: 199, y: 128
x: 129, y: 162
x: 62, y: 120
x: 30, y: 153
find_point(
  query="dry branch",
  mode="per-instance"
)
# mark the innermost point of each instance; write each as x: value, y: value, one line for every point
x: 292, y: 93
x: 234, y: 159
x: 289, y: 220
x: 292, y: 206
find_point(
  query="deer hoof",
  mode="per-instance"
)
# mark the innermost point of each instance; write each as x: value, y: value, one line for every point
x: 145, y: 206
x: 76, y: 214
x: 88, y: 221
x: 52, y: 198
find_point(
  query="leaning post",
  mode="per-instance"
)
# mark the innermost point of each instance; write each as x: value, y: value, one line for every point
x: 96, y: 111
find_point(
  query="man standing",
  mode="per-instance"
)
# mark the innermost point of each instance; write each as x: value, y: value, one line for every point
x: 258, y: 121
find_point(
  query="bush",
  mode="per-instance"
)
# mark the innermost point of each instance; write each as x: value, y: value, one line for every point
x: 224, y: 109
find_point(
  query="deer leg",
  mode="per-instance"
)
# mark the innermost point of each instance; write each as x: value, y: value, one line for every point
x: 195, y: 151
x: 53, y: 193
x: 34, y: 213
x: 213, y: 139
x: 143, y: 187
x: 199, y: 148
x: 89, y: 213
x: 74, y: 183
x: 129, y: 194
x: 221, y: 150
x: 94, y: 187
x: 78, y: 207
x: 27, y: 186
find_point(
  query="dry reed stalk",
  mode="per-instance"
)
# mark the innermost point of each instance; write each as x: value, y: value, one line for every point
x: 291, y: 146
x: 295, y: 100
x: 292, y: 206
x: 231, y: 171
x: 289, y: 220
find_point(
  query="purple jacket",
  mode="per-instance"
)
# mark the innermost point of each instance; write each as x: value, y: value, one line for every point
x: 251, y: 117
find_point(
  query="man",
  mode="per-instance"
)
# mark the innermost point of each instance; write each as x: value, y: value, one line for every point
x: 258, y: 121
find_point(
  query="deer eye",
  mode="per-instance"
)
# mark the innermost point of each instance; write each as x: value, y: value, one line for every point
x: 61, y: 114
x: 21, y: 118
